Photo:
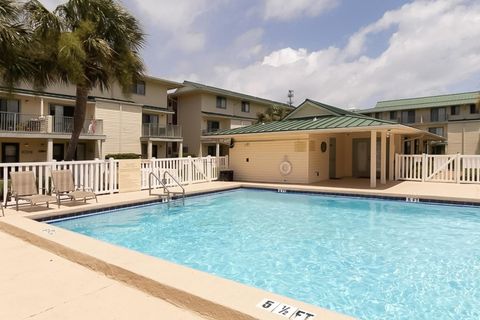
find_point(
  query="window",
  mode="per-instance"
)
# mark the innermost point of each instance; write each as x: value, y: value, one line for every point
x: 408, y: 116
x: 455, y: 110
x: 61, y: 111
x: 150, y: 118
x: 213, y: 126
x: 139, y: 88
x: 393, y: 116
x: 438, y: 114
x: 473, y: 108
x: 245, y: 106
x: 221, y: 102
x: 437, y: 130
x: 377, y: 115
x: 9, y: 105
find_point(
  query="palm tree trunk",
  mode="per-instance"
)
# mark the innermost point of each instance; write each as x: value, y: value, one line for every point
x: 78, y: 121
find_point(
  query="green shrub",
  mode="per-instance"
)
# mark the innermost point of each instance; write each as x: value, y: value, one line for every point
x: 120, y: 156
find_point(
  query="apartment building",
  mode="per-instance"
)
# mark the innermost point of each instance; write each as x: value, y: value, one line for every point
x: 202, y: 109
x: 37, y: 125
x: 453, y: 116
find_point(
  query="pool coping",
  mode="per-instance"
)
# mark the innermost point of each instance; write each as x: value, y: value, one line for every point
x: 435, y: 200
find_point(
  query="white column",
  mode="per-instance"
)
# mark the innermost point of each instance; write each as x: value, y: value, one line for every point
x: 217, y: 150
x: 98, y: 149
x: 149, y: 149
x: 383, y: 158
x: 180, y: 150
x: 42, y: 112
x: 373, y: 159
x: 391, y: 158
x: 49, y: 149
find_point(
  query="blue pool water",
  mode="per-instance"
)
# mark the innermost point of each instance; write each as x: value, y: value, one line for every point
x: 373, y: 259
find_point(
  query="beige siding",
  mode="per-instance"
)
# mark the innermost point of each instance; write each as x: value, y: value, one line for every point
x: 265, y: 157
x: 122, y: 126
x: 189, y: 117
x: 318, y: 161
x: 234, y: 106
x: 464, y: 137
x: 155, y: 93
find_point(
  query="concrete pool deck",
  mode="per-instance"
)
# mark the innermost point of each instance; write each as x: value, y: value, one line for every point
x: 61, y: 274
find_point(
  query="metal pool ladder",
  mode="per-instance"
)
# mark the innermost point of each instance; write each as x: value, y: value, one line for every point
x: 166, y: 190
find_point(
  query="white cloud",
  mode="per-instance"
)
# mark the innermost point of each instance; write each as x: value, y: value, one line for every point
x: 434, y: 46
x: 249, y: 44
x: 177, y: 18
x: 290, y: 9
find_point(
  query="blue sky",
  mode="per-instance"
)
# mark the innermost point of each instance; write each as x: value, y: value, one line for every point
x: 349, y: 53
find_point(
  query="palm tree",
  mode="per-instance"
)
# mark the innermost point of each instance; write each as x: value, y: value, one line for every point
x: 273, y: 113
x: 88, y: 44
x: 14, y: 66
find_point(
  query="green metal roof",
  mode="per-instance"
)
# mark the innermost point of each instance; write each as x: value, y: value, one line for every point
x: 425, y: 102
x: 316, y: 123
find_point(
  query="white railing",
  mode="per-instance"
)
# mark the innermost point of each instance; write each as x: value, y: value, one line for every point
x: 454, y: 168
x: 101, y: 176
x: 168, y: 131
x: 184, y: 170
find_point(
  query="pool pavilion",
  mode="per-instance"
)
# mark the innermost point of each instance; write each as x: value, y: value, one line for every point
x: 318, y: 142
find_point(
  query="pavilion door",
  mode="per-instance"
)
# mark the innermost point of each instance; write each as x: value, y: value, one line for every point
x: 361, y: 158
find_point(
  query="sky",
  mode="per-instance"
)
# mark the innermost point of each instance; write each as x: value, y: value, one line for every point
x: 347, y: 53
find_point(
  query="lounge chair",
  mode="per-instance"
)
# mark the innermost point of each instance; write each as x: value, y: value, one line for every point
x: 24, y: 188
x: 63, y: 185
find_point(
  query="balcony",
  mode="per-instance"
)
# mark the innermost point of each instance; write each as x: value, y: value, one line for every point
x: 17, y: 122
x: 152, y: 130
x: 29, y: 123
x: 65, y: 125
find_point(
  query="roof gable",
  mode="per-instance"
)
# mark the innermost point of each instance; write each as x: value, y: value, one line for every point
x: 311, y: 108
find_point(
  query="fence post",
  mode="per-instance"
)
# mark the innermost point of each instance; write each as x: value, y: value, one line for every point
x: 5, y: 185
x: 111, y: 172
x: 458, y: 168
x: 397, y: 166
x: 424, y: 166
x: 190, y: 170
x: 96, y: 169
x: 209, y: 167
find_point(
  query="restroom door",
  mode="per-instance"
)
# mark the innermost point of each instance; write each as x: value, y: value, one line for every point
x: 332, y: 157
x: 361, y: 158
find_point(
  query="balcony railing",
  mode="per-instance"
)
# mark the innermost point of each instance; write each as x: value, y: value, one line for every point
x: 168, y: 131
x: 210, y: 130
x: 470, y: 116
x: 65, y: 125
x: 19, y: 122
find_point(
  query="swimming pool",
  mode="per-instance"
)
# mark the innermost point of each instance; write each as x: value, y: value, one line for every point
x: 372, y: 259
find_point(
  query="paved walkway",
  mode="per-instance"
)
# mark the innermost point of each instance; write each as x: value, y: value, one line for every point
x: 36, y: 284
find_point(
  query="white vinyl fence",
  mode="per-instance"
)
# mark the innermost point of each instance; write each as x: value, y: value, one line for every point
x: 98, y: 175
x: 184, y: 170
x: 101, y: 176
x: 454, y: 168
